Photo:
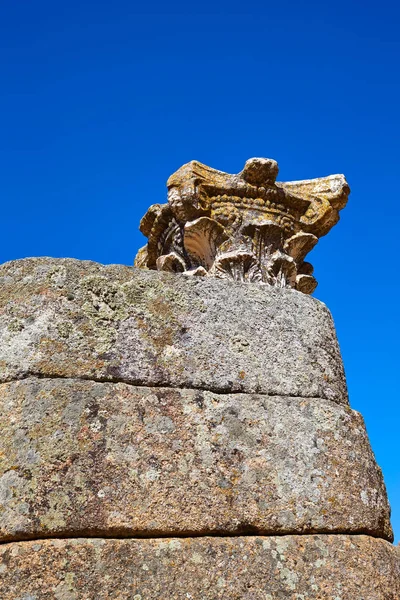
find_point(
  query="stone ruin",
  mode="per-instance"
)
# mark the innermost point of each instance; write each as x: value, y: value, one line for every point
x: 182, y: 430
x: 246, y: 227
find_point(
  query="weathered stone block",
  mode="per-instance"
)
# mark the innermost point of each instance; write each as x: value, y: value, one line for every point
x: 70, y: 318
x: 326, y: 567
x: 84, y: 458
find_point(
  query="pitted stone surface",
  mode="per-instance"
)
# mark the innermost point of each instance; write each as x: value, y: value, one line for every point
x: 70, y: 318
x: 328, y: 567
x: 86, y: 458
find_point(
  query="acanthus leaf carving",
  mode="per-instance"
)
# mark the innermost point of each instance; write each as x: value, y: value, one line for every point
x: 299, y: 245
x: 171, y: 262
x: 306, y: 283
x: 202, y: 238
x: 238, y: 265
x: 245, y: 227
x: 281, y: 270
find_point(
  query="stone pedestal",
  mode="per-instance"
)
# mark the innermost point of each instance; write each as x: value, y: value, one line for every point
x: 166, y: 436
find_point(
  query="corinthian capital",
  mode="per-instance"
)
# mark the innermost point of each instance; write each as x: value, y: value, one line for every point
x: 247, y: 227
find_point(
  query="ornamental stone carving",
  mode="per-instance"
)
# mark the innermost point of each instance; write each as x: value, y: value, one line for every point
x: 246, y: 227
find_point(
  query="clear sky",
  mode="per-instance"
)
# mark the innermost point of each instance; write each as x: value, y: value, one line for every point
x: 101, y: 101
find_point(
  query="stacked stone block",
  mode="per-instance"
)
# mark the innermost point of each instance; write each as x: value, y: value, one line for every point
x: 163, y: 436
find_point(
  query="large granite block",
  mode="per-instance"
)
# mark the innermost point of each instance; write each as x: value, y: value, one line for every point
x: 70, y: 318
x: 320, y: 567
x: 84, y: 458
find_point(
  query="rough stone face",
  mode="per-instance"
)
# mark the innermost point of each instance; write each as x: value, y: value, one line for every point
x: 140, y: 404
x: 84, y: 458
x: 327, y: 567
x: 70, y: 318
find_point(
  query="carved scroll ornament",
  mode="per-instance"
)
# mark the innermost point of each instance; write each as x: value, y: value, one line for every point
x: 247, y: 227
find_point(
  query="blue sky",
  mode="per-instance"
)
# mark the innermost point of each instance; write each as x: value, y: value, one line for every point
x: 101, y: 101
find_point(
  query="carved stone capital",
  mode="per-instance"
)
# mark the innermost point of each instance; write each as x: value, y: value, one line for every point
x: 247, y: 227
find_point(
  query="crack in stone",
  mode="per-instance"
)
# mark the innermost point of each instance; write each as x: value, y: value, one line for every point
x: 141, y: 383
x: 193, y: 535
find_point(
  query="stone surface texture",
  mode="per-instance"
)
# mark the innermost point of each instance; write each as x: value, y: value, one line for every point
x: 70, y: 318
x: 167, y: 436
x: 246, y: 227
x: 81, y: 457
x: 321, y: 567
